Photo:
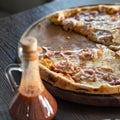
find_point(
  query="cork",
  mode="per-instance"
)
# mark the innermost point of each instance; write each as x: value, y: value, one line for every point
x: 29, y: 44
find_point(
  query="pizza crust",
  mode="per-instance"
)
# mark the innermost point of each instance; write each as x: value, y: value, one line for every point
x: 59, y: 16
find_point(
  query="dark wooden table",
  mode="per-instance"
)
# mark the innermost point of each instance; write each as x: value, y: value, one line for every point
x: 11, y: 29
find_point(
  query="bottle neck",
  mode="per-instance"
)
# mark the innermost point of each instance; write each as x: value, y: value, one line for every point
x: 31, y: 84
x: 30, y: 56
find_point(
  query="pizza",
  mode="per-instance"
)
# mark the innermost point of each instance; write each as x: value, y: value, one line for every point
x: 90, y: 70
x: 93, y: 70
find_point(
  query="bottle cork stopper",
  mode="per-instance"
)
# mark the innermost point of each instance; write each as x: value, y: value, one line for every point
x: 29, y: 44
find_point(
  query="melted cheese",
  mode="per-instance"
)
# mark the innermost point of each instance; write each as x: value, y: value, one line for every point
x: 107, y: 26
x: 93, y: 66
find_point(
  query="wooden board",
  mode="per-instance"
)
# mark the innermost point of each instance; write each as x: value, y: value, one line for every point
x: 55, y: 38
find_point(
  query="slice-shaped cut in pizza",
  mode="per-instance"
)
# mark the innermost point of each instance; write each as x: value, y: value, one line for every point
x: 100, y: 23
x: 91, y: 70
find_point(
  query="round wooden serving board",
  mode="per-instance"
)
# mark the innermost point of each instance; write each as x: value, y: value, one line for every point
x: 55, y: 38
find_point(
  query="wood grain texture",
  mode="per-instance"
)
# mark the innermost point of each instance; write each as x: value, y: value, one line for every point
x: 11, y: 29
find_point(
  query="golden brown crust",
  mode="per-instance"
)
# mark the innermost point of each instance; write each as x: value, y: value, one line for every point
x: 110, y: 9
x: 58, y: 17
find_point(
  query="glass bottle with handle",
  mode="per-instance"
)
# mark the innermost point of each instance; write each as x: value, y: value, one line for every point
x: 32, y: 101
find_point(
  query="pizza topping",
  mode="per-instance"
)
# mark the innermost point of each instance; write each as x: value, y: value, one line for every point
x: 86, y: 16
x: 115, y: 82
x: 86, y: 55
x: 69, y: 24
x: 106, y: 68
x: 95, y: 74
x: 117, y: 54
x: 103, y: 36
x: 63, y: 67
x: 75, y: 57
x: 98, y: 28
x: 85, y: 75
x: 114, y: 47
x: 90, y: 54
x: 47, y: 62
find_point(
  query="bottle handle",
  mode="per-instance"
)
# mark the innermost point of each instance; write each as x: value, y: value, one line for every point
x: 13, y: 75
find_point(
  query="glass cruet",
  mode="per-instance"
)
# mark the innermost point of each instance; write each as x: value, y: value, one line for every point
x: 32, y: 101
